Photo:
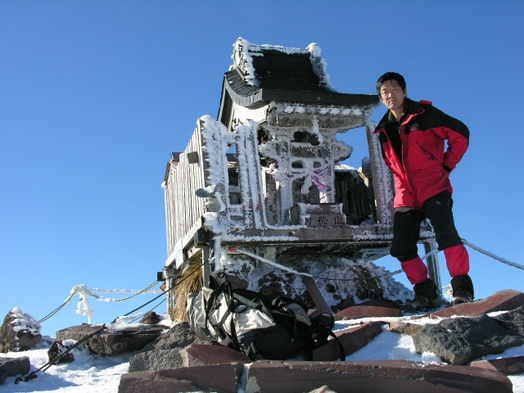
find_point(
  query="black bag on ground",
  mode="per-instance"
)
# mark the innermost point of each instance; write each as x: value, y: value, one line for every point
x: 250, y: 322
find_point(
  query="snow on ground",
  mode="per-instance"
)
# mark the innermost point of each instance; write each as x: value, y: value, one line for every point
x: 101, y: 374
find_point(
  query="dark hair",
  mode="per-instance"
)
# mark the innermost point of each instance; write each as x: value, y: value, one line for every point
x: 390, y: 76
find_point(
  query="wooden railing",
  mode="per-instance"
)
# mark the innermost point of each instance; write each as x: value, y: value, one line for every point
x: 184, y: 175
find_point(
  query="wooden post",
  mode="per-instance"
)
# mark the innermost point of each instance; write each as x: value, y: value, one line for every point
x: 317, y: 297
x: 206, y: 268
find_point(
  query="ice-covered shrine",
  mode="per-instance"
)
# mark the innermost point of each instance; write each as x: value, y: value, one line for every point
x: 261, y: 183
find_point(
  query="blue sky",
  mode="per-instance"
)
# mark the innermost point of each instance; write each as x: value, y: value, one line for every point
x: 94, y: 95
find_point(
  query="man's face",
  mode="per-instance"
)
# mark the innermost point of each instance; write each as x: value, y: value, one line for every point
x: 392, y: 95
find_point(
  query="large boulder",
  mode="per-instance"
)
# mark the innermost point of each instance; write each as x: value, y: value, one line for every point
x: 113, y: 342
x: 178, y: 336
x: 19, y: 332
x: 10, y: 367
x: 461, y: 340
x: 164, y: 352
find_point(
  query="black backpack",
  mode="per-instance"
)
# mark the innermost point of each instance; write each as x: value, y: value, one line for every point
x: 256, y: 325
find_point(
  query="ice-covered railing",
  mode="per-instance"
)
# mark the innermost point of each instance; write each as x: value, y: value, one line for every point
x: 185, y: 174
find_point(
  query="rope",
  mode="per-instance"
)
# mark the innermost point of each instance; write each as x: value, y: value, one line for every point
x: 106, y: 299
x: 197, y: 268
x: 489, y: 254
x: 278, y: 265
x: 141, y: 315
x: 83, y: 290
x: 56, y: 309
x: 359, y: 278
x: 432, y: 252
x: 122, y: 290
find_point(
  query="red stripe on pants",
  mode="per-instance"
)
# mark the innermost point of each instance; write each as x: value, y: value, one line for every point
x: 457, y: 260
x: 415, y: 270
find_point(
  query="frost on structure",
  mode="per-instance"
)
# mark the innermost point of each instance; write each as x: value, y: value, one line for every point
x: 245, y: 51
x: 270, y: 165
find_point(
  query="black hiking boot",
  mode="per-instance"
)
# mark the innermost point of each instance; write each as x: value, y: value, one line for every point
x: 426, y: 296
x: 462, y: 290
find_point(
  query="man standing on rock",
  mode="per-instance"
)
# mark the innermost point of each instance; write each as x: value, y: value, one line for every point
x: 413, y: 138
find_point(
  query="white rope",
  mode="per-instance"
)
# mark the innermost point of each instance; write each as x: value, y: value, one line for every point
x: 432, y: 252
x: 89, y: 292
x: 136, y: 291
x: 278, y: 265
x: 489, y: 254
x: 83, y: 293
x: 359, y: 278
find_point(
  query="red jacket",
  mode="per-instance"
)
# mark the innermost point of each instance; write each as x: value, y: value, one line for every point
x: 423, y: 170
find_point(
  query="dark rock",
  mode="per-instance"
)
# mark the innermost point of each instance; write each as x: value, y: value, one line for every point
x: 157, y: 360
x: 351, y: 339
x: 178, y: 336
x: 111, y: 343
x: 19, y: 332
x: 57, y: 353
x: 344, y: 304
x: 371, y: 308
x: 164, y: 352
x: 220, y: 378
x: 509, y: 366
x: 192, y: 355
x: 499, y: 301
x: 151, y: 318
x: 373, y: 376
x: 461, y: 340
x: 76, y: 333
x: 10, y: 367
x: 123, y: 341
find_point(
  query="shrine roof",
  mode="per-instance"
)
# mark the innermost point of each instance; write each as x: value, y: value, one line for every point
x: 264, y: 73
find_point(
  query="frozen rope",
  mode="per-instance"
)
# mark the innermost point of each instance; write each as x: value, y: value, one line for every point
x: 125, y: 290
x: 89, y: 292
x: 359, y: 278
x: 84, y: 293
x: 277, y: 265
x: 197, y: 268
x: 431, y: 253
x: 489, y: 254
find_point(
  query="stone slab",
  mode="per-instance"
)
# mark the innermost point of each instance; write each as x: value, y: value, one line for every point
x: 507, y: 299
x: 508, y: 366
x: 351, y: 339
x: 392, y: 376
x: 372, y: 308
x: 220, y: 378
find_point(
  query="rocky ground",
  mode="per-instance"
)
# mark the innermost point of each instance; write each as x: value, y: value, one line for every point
x: 175, y: 360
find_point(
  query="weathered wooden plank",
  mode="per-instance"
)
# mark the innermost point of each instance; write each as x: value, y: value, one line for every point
x: 318, y: 299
